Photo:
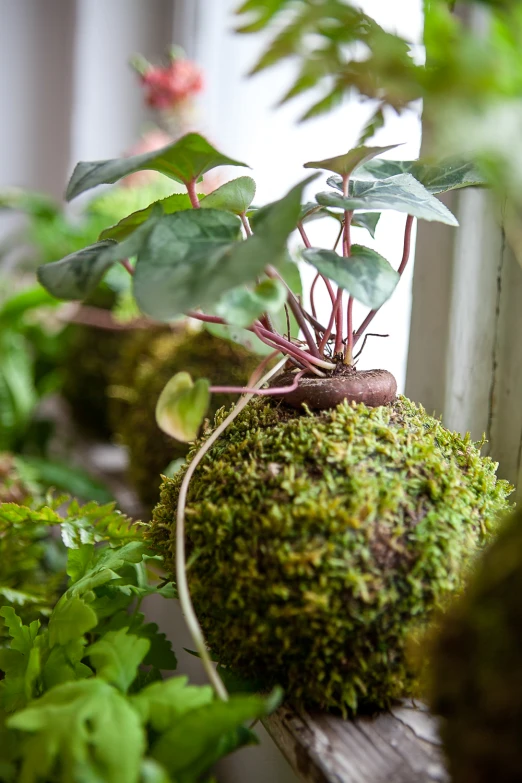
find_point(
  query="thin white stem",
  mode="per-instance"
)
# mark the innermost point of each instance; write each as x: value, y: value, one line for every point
x: 181, y: 573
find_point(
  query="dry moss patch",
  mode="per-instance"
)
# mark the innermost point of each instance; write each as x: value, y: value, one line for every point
x: 319, y: 544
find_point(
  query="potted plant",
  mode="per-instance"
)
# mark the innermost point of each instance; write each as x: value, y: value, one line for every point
x: 331, y: 518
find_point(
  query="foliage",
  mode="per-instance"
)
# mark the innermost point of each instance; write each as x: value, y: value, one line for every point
x: 231, y: 259
x: 82, y: 696
x: 476, y: 668
x: 345, y: 533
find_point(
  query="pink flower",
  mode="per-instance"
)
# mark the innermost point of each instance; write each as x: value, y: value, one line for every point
x: 165, y: 87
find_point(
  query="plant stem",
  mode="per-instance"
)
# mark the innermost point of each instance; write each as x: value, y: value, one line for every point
x: 296, y: 310
x: 193, y: 196
x: 303, y: 235
x: 246, y: 224
x: 348, y: 354
x: 185, y: 600
x: 254, y: 390
x: 339, y: 321
x: 127, y: 265
x: 339, y: 235
x: 405, y: 257
x: 286, y: 345
x: 208, y: 319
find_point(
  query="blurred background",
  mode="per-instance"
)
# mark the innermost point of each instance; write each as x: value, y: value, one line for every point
x: 67, y: 93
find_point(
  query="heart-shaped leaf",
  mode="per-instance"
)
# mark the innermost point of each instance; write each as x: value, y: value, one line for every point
x: 77, y: 275
x: 177, y: 202
x: 241, y: 306
x: 182, y: 405
x: 234, y: 196
x: 345, y: 164
x: 402, y: 193
x: 191, y: 259
x: 436, y: 177
x: 185, y: 160
x: 366, y: 275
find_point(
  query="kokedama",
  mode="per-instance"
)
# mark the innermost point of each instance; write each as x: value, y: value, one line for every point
x: 331, y: 518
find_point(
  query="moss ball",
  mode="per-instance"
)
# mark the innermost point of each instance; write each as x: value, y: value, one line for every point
x: 89, y: 358
x: 320, y: 544
x: 477, y: 668
x: 155, y: 361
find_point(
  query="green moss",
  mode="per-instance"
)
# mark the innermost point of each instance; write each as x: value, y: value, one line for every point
x: 477, y: 668
x: 319, y: 544
x: 143, y: 370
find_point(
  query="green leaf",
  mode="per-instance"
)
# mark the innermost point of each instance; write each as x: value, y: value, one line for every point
x: 367, y: 220
x: 116, y: 657
x: 201, y: 736
x: 163, y: 703
x: 182, y: 264
x: 262, y: 11
x: 366, y: 275
x: 182, y: 405
x: 192, y: 258
x: 436, y: 177
x: 38, y: 205
x: 84, y: 728
x: 402, y: 193
x: 70, y: 620
x: 177, y: 202
x: 345, y: 164
x: 77, y: 275
x: 234, y: 196
x: 185, y: 160
x: 23, y: 301
x: 22, y: 636
x: 241, y: 306
x: 67, y: 478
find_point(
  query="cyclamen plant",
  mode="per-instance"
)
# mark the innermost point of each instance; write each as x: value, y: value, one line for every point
x: 219, y: 260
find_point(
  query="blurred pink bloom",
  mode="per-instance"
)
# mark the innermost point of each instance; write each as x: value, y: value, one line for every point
x: 153, y: 140
x: 165, y: 87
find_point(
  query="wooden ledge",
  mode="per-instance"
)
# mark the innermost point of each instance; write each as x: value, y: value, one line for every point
x: 400, y: 746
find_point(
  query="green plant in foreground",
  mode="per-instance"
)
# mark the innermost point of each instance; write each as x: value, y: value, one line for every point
x: 82, y: 696
x: 319, y: 545
x: 477, y: 671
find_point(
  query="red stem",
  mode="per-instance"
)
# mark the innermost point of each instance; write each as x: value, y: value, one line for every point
x: 286, y: 345
x: 247, y: 390
x: 339, y: 321
x: 126, y: 264
x: 303, y: 235
x: 208, y: 319
x: 193, y: 196
x: 405, y: 256
x: 296, y: 310
x: 348, y: 356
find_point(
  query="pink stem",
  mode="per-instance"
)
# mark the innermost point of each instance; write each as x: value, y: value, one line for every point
x: 248, y: 390
x: 349, y: 326
x: 193, y: 196
x: 261, y: 367
x: 339, y: 321
x: 127, y: 265
x: 287, y: 347
x: 208, y: 319
x: 405, y: 256
x: 329, y: 328
x: 296, y: 309
x: 246, y: 224
x: 303, y: 235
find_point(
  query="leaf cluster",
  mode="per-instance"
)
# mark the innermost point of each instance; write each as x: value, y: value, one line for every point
x: 82, y: 695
